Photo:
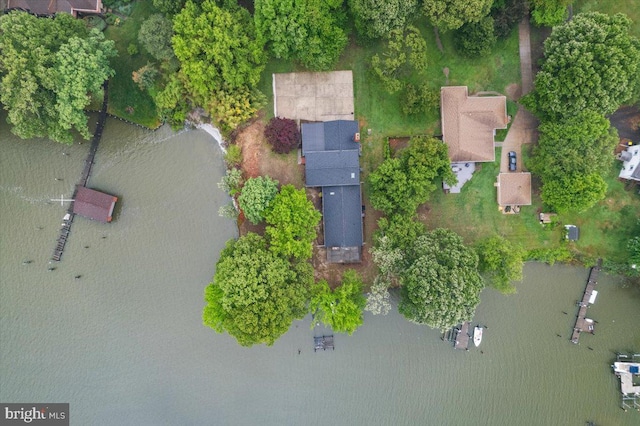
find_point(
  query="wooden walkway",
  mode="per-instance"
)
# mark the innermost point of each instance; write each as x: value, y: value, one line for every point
x: 462, y: 338
x: 323, y: 342
x: 584, y: 324
x: 65, y: 229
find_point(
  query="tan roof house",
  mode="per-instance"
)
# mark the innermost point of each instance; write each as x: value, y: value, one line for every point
x: 469, y: 123
x: 51, y: 7
x: 514, y: 190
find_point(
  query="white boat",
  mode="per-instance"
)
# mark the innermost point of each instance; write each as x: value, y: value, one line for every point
x: 477, y: 335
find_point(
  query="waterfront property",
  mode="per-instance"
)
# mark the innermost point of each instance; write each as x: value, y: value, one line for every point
x: 332, y: 161
x: 514, y: 190
x: 627, y: 368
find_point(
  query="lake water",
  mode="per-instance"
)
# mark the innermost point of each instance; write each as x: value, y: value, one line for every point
x: 125, y: 345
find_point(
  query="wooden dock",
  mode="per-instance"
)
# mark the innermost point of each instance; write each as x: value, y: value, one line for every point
x: 584, y: 324
x: 323, y: 342
x: 462, y: 337
x: 65, y: 228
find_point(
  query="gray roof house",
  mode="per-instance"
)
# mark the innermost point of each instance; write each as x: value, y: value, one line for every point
x: 332, y: 162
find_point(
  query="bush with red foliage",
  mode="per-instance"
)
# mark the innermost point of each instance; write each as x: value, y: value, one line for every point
x: 282, y: 134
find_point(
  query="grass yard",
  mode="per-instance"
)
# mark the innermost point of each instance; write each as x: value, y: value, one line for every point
x: 631, y: 8
x: 126, y: 100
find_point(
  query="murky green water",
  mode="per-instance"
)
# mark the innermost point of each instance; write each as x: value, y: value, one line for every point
x: 124, y: 344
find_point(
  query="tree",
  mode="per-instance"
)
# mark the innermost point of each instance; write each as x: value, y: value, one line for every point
x: 501, y: 261
x: 591, y: 62
x: 378, y: 299
x: 282, y: 134
x: 476, y: 39
x: 169, y: 7
x: 257, y: 194
x: 405, y: 54
x: 506, y: 15
x: 305, y: 30
x: 292, y: 223
x: 400, y: 185
x: 420, y: 99
x: 376, y: 18
x: 452, y: 14
x: 549, y: 13
x: 155, y: 36
x: 583, y: 143
x: 574, y: 192
x: 230, y: 182
x: 221, y: 60
x: 48, y: 70
x: 571, y: 158
x: 145, y: 76
x: 441, y: 284
x: 341, y: 308
x: 255, y: 294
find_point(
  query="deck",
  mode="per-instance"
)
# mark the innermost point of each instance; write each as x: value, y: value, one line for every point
x: 584, y: 324
x: 323, y: 342
x: 462, y: 338
x: 65, y: 228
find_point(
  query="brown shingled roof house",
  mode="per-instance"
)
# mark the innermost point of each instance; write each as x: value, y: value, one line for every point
x: 514, y: 189
x: 51, y: 7
x: 94, y: 204
x: 469, y: 123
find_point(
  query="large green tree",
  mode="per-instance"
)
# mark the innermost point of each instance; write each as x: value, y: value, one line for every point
x: 591, y: 62
x: 440, y: 283
x: 257, y: 194
x: 476, y: 39
x: 305, y: 30
x: 255, y: 294
x: 549, y: 13
x: 400, y: 185
x: 221, y: 60
x: 292, y: 220
x: 452, y: 14
x: 49, y: 68
x: 571, y: 158
x: 376, y: 18
x: 501, y: 261
x: 155, y: 36
x: 341, y: 308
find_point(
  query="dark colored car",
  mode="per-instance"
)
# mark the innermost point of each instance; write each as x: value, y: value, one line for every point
x: 512, y: 161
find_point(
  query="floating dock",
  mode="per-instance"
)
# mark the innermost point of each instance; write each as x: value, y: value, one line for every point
x: 584, y: 324
x: 462, y: 337
x: 323, y: 342
x: 65, y: 229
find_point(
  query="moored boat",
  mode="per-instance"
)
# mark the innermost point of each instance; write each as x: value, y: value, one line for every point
x: 477, y: 335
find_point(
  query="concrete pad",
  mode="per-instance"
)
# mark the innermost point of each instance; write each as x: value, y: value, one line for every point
x: 314, y: 96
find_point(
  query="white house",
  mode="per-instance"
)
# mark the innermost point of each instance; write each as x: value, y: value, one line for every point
x: 630, y: 163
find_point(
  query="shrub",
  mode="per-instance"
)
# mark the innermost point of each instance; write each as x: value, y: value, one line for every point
x: 233, y: 157
x: 282, y: 134
x: 230, y: 182
x: 506, y: 16
x: 145, y: 76
x: 257, y: 194
x: 419, y: 99
x: 132, y: 49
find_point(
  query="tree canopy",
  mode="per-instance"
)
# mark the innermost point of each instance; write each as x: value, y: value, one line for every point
x: 571, y: 158
x: 282, y: 134
x: 255, y: 294
x: 341, y: 308
x: 476, y: 39
x: 501, y: 261
x: 591, y: 62
x: 452, y: 14
x: 376, y: 18
x: 292, y: 220
x: 549, y: 13
x: 440, y: 283
x: 49, y: 68
x: 400, y: 185
x: 155, y: 36
x: 309, y: 31
x: 221, y: 60
x: 257, y: 194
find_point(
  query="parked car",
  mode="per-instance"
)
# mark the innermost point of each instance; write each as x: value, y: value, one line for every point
x: 512, y: 161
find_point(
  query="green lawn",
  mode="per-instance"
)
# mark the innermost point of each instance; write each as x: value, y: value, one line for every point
x: 123, y: 92
x: 631, y: 8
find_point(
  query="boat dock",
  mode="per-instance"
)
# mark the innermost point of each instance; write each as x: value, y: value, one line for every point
x: 323, y: 342
x: 584, y: 324
x: 458, y: 336
x: 626, y: 368
x: 65, y: 228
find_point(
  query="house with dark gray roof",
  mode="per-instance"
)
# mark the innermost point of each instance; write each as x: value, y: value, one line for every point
x: 332, y: 162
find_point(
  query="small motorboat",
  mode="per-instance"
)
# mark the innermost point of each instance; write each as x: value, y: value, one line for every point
x: 477, y: 335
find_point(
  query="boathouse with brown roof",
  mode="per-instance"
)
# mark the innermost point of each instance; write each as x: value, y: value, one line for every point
x: 469, y: 123
x: 94, y: 204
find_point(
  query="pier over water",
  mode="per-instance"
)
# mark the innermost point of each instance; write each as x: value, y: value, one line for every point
x: 584, y: 324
